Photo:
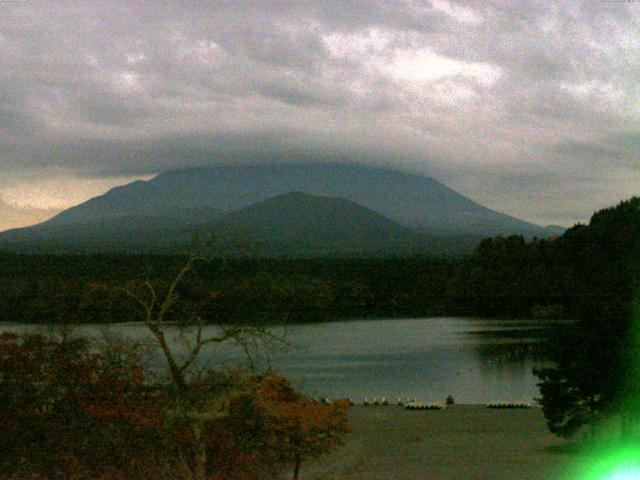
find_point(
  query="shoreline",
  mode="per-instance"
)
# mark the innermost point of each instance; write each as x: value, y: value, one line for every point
x: 462, y: 442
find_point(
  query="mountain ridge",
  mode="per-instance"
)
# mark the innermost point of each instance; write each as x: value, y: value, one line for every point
x: 182, y: 198
x: 401, y: 196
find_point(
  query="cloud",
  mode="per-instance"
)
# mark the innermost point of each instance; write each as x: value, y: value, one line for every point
x: 426, y: 66
x: 59, y: 192
x: 16, y: 217
x: 494, y: 98
x: 458, y: 12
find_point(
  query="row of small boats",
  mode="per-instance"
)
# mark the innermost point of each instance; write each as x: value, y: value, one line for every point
x: 425, y: 406
x: 508, y: 405
x: 375, y: 401
x: 414, y: 404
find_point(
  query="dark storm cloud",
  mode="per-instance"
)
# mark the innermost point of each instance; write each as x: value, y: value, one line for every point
x: 504, y: 101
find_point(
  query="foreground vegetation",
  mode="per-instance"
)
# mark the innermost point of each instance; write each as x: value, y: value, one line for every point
x: 70, y: 410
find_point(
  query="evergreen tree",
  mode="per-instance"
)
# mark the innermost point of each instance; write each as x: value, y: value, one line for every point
x: 596, y: 368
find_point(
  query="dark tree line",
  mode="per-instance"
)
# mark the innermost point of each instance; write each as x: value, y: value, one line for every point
x: 506, y: 277
x: 49, y: 289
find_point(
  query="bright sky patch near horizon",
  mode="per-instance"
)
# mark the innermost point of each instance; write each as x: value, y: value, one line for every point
x: 530, y: 108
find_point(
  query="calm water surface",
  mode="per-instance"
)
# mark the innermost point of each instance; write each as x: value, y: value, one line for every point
x: 476, y: 361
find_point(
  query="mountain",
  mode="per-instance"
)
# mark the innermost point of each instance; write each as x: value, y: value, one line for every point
x: 161, y: 212
x: 409, y: 199
x: 553, y: 231
x: 292, y: 224
x: 312, y: 218
x: 300, y: 223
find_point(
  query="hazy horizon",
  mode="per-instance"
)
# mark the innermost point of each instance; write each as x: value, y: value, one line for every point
x: 528, y: 108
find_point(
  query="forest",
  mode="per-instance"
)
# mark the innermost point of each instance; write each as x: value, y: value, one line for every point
x: 503, y: 277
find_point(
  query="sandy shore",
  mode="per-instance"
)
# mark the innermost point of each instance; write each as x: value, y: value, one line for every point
x: 464, y: 442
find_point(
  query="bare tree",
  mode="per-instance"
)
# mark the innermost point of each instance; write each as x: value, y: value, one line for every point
x: 157, y: 308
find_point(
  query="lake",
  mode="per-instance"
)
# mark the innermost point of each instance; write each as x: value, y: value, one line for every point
x: 474, y: 360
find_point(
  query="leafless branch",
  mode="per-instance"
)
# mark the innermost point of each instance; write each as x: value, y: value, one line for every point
x: 171, y: 296
x: 140, y: 301
x: 153, y: 295
x: 200, y: 343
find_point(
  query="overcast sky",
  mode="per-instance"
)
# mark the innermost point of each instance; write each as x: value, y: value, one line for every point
x: 530, y: 108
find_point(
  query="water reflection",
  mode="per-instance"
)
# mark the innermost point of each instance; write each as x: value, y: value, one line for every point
x: 426, y: 358
x: 475, y: 361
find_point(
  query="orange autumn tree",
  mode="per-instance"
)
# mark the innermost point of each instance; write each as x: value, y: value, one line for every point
x: 298, y: 427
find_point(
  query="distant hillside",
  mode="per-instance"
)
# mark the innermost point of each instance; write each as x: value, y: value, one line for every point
x: 159, y: 214
x: 125, y: 234
x: 298, y: 222
x: 553, y: 231
x: 293, y: 224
